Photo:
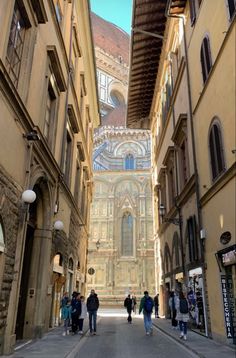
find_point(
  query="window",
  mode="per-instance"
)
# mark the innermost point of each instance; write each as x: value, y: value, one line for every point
x: 15, y: 44
x: 194, y: 9
x: 180, y: 138
x: 58, y: 11
x: 2, y: 241
x: 232, y: 8
x: 192, y: 239
x: 50, y: 112
x: 67, y: 157
x: 206, y: 61
x: 77, y: 181
x: 216, y: 151
x: 127, y: 235
x: 129, y: 162
x: 170, y: 171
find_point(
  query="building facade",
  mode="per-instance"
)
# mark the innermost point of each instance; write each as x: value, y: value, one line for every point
x: 49, y: 107
x: 193, y: 151
x: 120, y: 252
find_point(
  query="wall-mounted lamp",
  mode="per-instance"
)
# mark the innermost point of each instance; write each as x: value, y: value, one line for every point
x: 98, y: 244
x: 162, y: 212
x: 58, y: 225
x: 28, y: 196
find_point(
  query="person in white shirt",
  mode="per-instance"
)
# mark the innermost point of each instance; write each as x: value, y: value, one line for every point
x: 83, y: 314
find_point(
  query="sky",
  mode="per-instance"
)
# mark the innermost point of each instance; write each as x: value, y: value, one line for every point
x: 118, y: 12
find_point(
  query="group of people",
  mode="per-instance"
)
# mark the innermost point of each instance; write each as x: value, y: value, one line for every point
x: 179, y: 308
x: 74, y: 311
x: 146, y: 306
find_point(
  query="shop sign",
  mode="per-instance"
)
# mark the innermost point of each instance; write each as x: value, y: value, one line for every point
x: 229, y: 258
x: 227, y: 308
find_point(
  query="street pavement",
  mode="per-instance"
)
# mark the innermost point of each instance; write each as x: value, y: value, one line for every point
x: 118, y: 339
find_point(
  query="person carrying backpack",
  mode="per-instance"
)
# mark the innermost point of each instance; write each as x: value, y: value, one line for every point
x: 146, y: 305
x: 182, y: 314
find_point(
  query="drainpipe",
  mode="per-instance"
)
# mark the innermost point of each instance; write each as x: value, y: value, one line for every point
x: 199, y: 213
x: 67, y: 92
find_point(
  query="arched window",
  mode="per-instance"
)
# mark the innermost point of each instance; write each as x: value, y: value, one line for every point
x: 2, y: 241
x: 129, y: 162
x: 206, y: 60
x: 127, y: 235
x: 71, y: 264
x: 216, y: 151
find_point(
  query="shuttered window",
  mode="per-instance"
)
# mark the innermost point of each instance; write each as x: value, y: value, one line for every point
x: 206, y: 61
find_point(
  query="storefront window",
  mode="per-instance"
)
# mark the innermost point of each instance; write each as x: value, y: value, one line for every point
x: 195, y: 299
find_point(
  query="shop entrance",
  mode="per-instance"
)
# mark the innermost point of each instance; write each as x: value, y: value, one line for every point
x: 20, y: 321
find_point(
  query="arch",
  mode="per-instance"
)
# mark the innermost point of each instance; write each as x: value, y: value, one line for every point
x: 117, y: 91
x: 71, y: 264
x: 2, y: 236
x: 205, y: 57
x: 58, y: 263
x: 176, y: 253
x: 216, y: 148
x: 130, y: 146
x: 127, y: 231
x: 167, y: 259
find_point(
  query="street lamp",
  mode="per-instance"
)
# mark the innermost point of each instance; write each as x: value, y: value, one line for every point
x: 28, y: 196
x: 162, y: 212
x: 58, y: 225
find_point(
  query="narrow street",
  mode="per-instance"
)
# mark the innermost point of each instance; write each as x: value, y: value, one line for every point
x: 118, y: 339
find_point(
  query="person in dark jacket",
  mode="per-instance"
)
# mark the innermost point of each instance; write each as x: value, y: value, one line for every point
x: 75, y: 311
x: 128, y: 303
x: 92, y: 307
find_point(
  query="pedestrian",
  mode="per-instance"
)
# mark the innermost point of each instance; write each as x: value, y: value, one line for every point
x: 134, y: 303
x: 75, y: 311
x: 146, y: 305
x: 92, y: 307
x: 66, y: 316
x: 182, y: 314
x: 128, y: 303
x: 64, y: 299
x: 83, y: 314
x: 173, y: 311
x: 156, y: 303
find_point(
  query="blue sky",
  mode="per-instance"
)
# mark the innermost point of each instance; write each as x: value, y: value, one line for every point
x: 116, y: 11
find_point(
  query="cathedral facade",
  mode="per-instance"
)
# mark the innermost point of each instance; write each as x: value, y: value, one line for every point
x: 120, y: 249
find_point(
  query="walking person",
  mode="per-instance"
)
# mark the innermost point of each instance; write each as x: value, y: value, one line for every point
x: 134, y: 304
x: 75, y: 311
x: 182, y: 314
x: 173, y: 311
x: 83, y: 314
x: 156, y: 304
x: 92, y: 307
x: 146, y: 305
x: 128, y: 303
x: 66, y: 316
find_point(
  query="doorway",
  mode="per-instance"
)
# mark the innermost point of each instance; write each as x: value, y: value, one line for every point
x: 23, y: 294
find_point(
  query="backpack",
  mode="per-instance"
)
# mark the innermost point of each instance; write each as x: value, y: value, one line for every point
x: 148, y: 305
x: 183, y: 305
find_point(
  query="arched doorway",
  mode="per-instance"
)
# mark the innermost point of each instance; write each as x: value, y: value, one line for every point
x: 33, y: 312
x: 24, y: 285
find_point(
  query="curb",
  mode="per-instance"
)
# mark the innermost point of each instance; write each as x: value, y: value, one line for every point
x: 180, y: 341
